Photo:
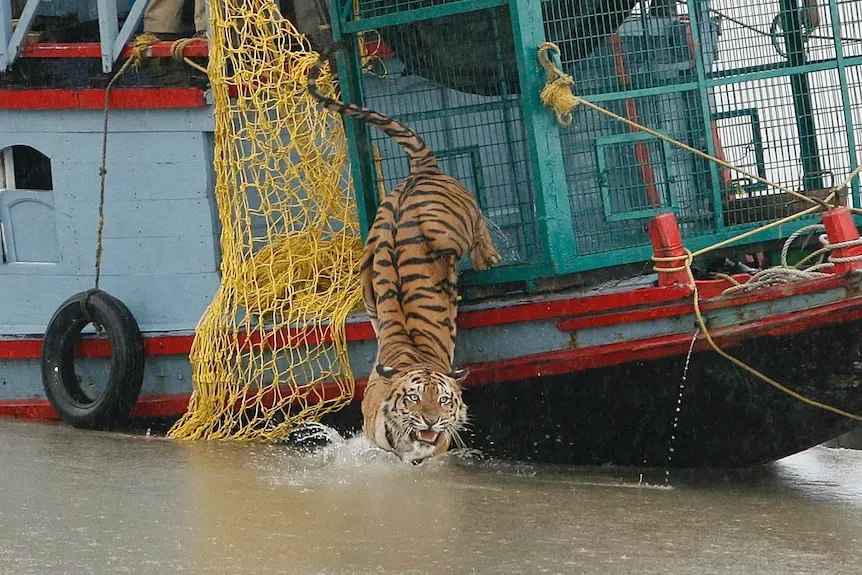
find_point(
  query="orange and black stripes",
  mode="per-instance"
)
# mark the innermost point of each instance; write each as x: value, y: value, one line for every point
x: 421, y: 230
x: 409, y: 277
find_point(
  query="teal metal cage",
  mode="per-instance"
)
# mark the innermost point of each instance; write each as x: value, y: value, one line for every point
x: 774, y: 87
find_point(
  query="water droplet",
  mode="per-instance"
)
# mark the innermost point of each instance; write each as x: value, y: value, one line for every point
x: 679, y: 397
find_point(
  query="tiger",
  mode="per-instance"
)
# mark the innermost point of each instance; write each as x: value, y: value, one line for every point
x: 413, y: 405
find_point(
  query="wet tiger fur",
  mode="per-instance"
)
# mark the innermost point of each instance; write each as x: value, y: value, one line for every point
x: 413, y: 405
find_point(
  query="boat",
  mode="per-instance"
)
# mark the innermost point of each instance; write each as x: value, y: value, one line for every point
x: 597, y: 340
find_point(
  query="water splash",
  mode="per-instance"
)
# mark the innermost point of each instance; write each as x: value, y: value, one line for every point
x: 312, y: 431
x: 674, y: 429
x: 509, y: 252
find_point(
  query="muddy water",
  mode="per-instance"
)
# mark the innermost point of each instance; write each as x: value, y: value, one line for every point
x: 77, y: 502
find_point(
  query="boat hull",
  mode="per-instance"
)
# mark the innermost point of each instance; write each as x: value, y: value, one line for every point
x: 625, y: 414
x: 590, y: 379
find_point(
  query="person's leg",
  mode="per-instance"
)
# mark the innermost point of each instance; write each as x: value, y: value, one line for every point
x: 201, y: 20
x: 163, y: 17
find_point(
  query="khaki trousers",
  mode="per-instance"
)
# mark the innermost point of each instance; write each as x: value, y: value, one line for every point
x: 163, y: 16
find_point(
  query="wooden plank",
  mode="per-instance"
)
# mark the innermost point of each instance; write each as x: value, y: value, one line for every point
x: 5, y: 33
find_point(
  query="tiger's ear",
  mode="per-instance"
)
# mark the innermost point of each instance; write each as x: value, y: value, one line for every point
x: 459, y: 375
x: 386, y: 372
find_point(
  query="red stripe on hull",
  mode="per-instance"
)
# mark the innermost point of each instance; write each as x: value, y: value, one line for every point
x: 94, y: 99
x: 552, y: 363
x: 574, y: 360
x: 587, y: 312
x: 675, y: 310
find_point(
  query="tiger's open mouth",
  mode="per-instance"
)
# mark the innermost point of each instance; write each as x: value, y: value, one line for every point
x: 426, y: 435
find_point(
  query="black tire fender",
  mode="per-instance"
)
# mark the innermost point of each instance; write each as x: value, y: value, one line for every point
x: 126, y: 375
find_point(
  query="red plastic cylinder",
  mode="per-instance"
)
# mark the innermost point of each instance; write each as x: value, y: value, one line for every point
x: 840, y: 228
x: 667, y: 242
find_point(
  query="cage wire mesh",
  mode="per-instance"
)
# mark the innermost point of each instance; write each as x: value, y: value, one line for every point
x: 478, y: 139
x: 774, y: 87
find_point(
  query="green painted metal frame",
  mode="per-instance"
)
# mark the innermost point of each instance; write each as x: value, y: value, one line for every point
x: 748, y: 74
x: 757, y: 138
x: 794, y: 46
x: 543, y: 140
x: 705, y: 111
x: 841, y: 66
x: 348, y: 67
x: 350, y: 26
x: 559, y: 255
x: 603, y: 142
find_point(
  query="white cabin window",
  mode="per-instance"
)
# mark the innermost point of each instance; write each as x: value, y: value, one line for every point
x: 28, y: 231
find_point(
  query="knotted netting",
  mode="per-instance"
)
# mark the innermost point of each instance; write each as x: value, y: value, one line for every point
x: 270, y: 352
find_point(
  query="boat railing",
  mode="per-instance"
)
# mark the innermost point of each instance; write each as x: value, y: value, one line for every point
x: 114, y: 38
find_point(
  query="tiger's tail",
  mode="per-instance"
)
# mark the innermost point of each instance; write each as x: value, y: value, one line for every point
x: 415, y: 147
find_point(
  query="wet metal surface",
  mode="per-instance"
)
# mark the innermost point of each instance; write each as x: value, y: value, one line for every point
x: 83, y: 502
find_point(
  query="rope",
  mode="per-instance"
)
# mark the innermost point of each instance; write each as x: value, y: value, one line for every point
x: 178, y: 48
x: 557, y: 93
x: 792, y: 237
x: 786, y: 273
x: 139, y: 49
x: 774, y: 276
x: 687, y: 258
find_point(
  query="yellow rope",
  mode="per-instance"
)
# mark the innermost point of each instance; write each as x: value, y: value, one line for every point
x: 557, y: 93
x: 178, y: 49
x: 275, y: 330
x: 558, y: 96
x: 687, y: 259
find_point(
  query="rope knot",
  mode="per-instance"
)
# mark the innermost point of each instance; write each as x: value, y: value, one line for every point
x: 178, y: 52
x: 557, y: 93
x: 140, y: 47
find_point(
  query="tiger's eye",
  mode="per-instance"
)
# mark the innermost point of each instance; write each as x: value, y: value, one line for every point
x: 413, y: 397
x: 445, y: 400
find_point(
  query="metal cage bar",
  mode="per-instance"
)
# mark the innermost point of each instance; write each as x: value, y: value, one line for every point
x: 108, y: 30
x: 743, y: 81
x: 20, y: 32
x: 841, y: 65
x: 356, y: 131
x: 133, y: 19
x: 543, y: 138
x: 5, y: 34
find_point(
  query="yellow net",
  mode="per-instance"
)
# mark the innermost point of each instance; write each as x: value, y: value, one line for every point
x: 270, y: 351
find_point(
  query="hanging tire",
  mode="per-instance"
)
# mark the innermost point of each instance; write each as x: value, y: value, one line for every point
x: 126, y: 377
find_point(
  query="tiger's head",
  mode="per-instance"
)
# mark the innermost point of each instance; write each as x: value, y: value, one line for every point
x: 422, y: 411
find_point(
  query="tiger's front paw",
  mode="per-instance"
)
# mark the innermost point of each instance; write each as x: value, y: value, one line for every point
x: 484, y: 257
